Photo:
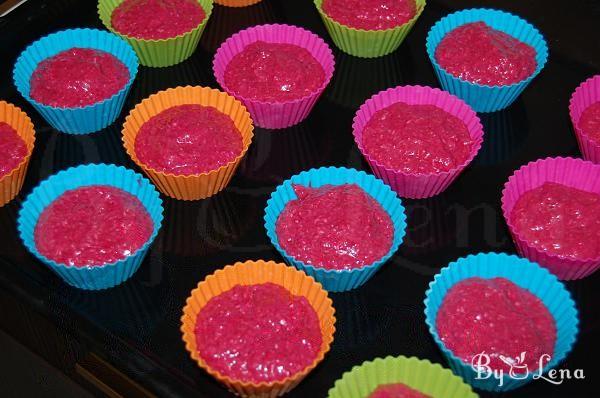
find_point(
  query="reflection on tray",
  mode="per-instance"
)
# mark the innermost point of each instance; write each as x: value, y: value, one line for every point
x: 357, y: 79
x: 431, y: 226
x: 61, y: 151
x: 134, y: 308
x: 352, y: 311
x: 276, y: 155
x: 208, y: 226
x: 191, y: 72
x: 505, y: 132
x: 225, y: 21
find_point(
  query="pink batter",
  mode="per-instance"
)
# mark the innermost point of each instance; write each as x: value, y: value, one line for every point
x: 156, y: 19
x: 92, y: 226
x: 396, y: 390
x: 370, y: 14
x: 560, y: 220
x: 12, y: 148
x: 188, y: 139
x: 499, y: 318
x: 258, y: 333
x: 334, y: 227
x: 273, y: 72
x: 78, y: 77
x: 477, y: 53
x: 416, y: 139
x: 589, y: 122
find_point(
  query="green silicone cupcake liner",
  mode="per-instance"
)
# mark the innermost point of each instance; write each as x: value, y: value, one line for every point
x: 159, y: 53
x: 419, y: 374
x: 367, y: 43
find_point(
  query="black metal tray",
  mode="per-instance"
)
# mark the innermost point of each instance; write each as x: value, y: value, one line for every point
x: 135, y: 327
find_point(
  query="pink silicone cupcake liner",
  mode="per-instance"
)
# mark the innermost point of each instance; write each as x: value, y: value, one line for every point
x: 576, y: 173
x: 585, y: 95
x: 276, y: 115
x: 413, y: 185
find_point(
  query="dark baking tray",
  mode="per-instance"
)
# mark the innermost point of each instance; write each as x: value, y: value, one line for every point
x: 135, y: 327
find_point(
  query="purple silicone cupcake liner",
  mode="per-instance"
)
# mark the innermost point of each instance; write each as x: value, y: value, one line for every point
x: 276, y: 115
x: 588, y: 93
x: 413, y: 185
x: 576, y: 173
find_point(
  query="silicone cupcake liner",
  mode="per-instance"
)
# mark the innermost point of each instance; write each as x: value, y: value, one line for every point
x: 276, y: 115
x: 101, y: 276
x: 485, y: 98
x: 412, y: 185
x: 255, y: 272
x: 11, y: 183
x: 194, y: 186
x: 574, y: 173
x: 367, y: 43
x: 526, y: 275
x: 79, y: 120
x: 162, y: 52
x: 420, y: 374
x: 588, y: 93
x: 337, y: 280
x: 237, y: 3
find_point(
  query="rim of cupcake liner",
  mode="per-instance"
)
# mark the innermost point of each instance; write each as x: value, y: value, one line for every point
x: 156, y: 96
x: 56, y: 36
x: 28, y: 126
x: 390, y: 361
x: 512, y: 180
x: 326, y: 335
x: 328, y: 72
x: 396, y: 242
x: 236, y: 3
x: 207, y: 8
x: 528, y: 267
x: 438, y: 26
x: 577, y: 94
x: 51, y: 180
x: 459, y: 107
x: 420, y: 6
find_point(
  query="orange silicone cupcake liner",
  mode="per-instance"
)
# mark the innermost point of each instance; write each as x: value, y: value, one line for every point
x: 237, y: 3
x: 249, y: 273
x: 194, y: 186
x: 11, y: 183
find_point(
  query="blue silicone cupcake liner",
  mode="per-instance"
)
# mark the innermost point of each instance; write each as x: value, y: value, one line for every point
x: 484, y: 98
x: 89, y: 118
x: 101, y: 276
x: 337, y: 280
x: 522, y: 272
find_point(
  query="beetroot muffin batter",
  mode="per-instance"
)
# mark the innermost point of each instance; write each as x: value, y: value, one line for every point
x: 273, y: 72
x: 559, y: 220
x: 77, y: 77
x: 499, y: 318
x: 92, y: 226
x: 396, y: 390
x: 334, y: 227
x: 370, y: 14
x: 416, y: 139
x: 258, y: 333
x: 479, y: 54
x: 12, y: 148
x: 188, y: 139
x: 589, y: 122
x: 156, y: 19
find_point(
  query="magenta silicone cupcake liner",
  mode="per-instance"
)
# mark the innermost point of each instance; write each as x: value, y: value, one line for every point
x: 415, y: 185
x: 276, y: 115
x: 576, y: 173
x: 588, y: 93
